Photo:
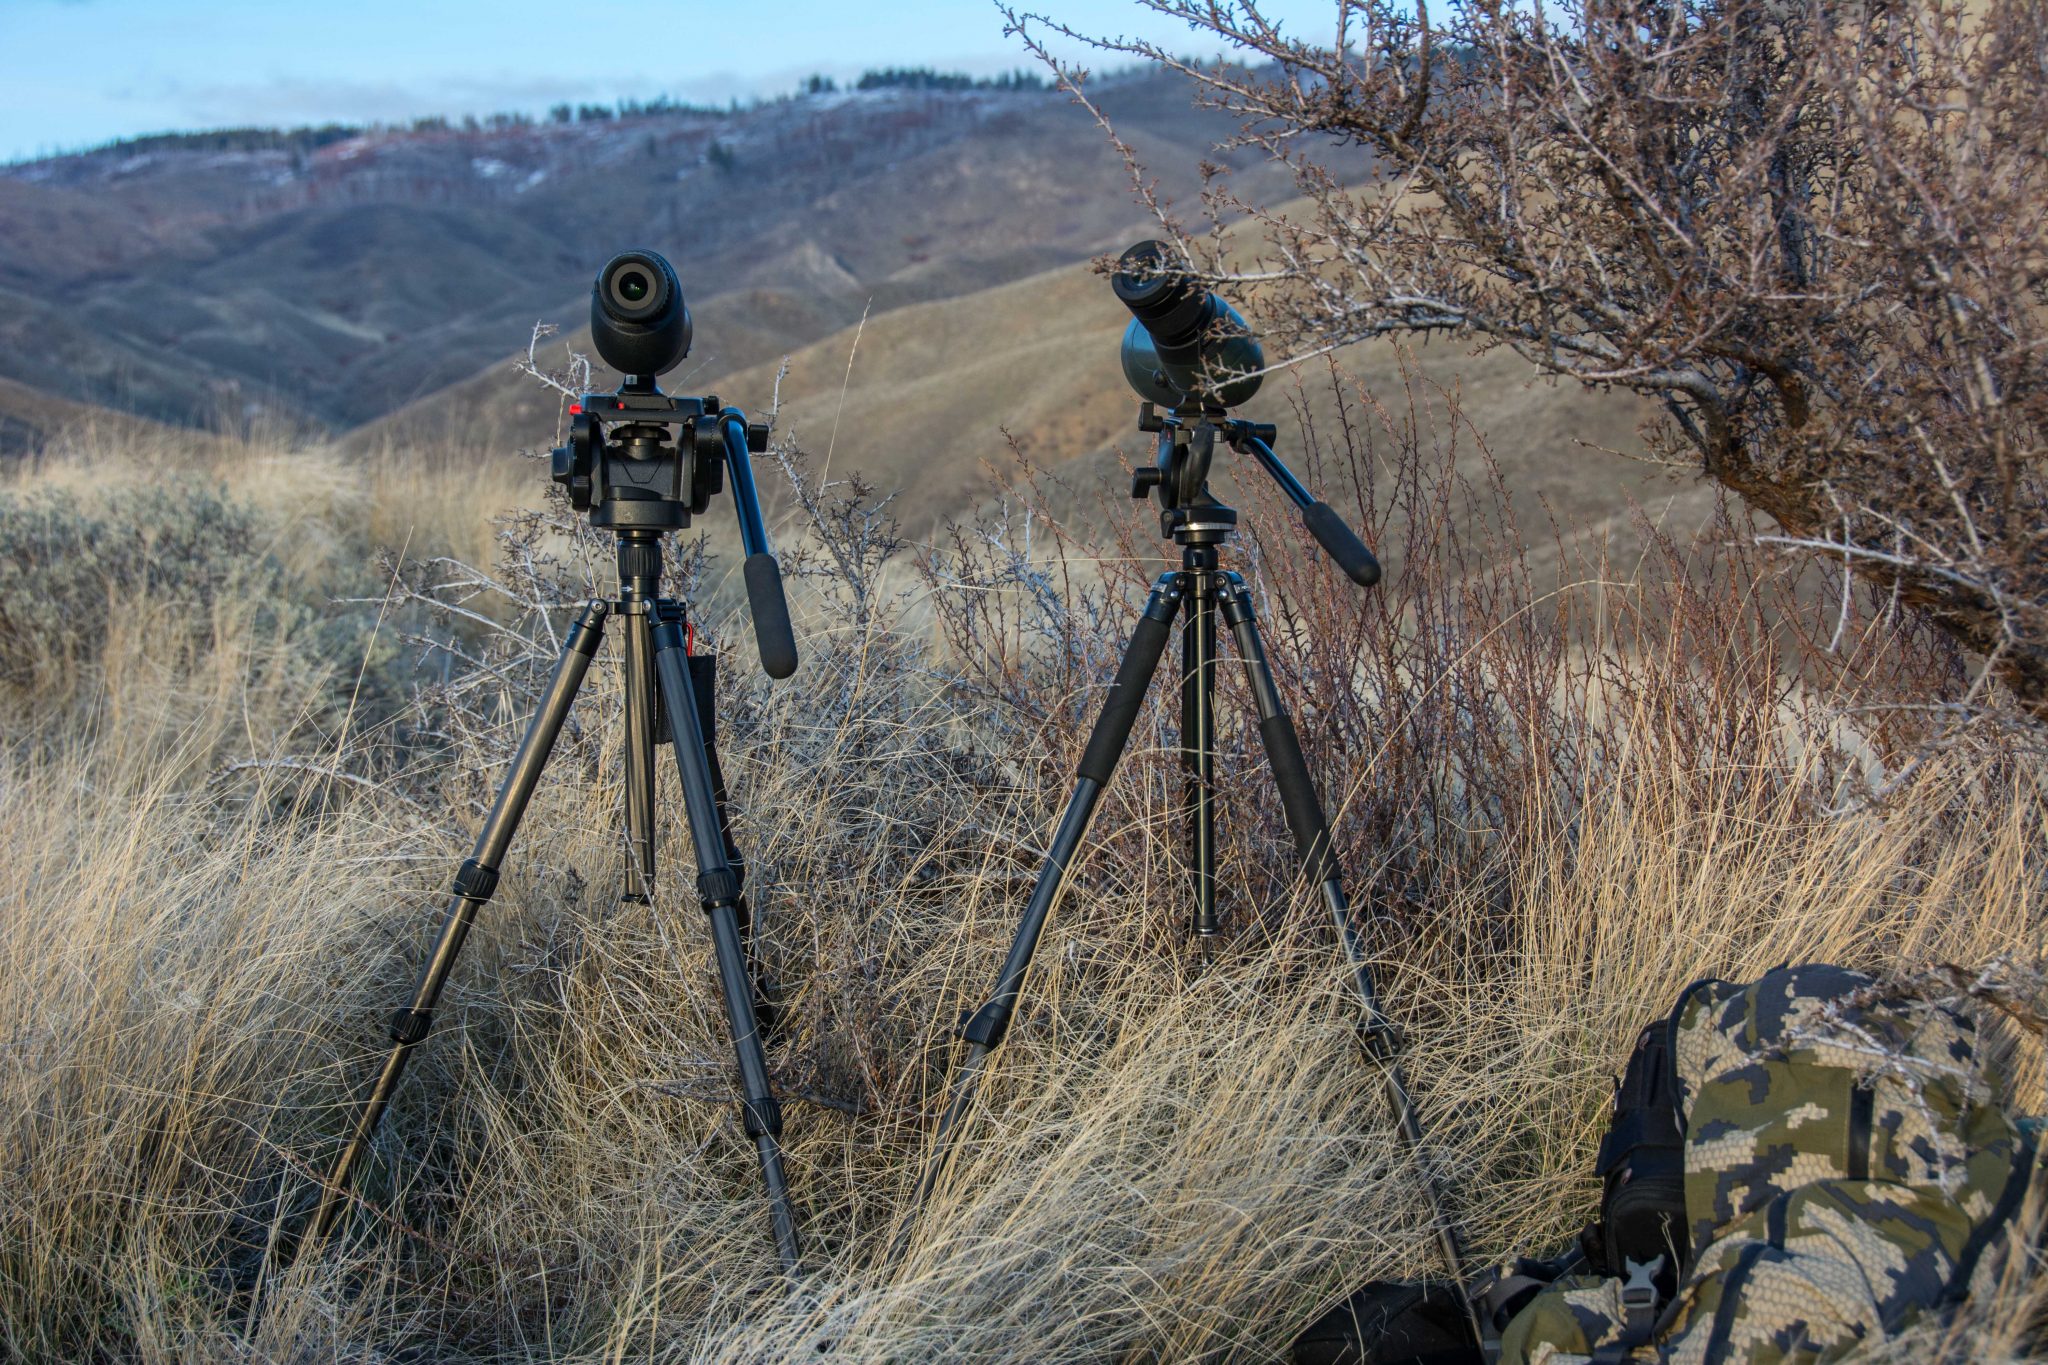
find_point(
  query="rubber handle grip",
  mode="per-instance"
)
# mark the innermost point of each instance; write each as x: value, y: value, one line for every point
x: 771, y: 616
x: 1342, y: 542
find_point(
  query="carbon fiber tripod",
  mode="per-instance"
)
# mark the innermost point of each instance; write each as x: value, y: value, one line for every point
x: 668, y: 700
x: 1199, y: 592
x: 641, y: 463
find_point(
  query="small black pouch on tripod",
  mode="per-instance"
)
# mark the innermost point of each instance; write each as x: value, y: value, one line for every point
x: 704, y: 682
x: 1642, y: 1171
x: 704, y: 686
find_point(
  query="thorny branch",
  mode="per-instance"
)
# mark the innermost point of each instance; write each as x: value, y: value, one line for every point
x: 1811, y: 233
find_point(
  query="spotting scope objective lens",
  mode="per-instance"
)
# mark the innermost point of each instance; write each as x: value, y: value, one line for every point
x: 638, y: 320
x: 1184, y: 343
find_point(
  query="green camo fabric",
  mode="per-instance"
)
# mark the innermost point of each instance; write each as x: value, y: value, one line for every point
x: 1846, y: 1164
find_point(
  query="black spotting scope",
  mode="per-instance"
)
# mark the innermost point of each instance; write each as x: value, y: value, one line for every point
x: 638, y: 320
x: 643, y: 462
x: 1184, y: 343
x: 1188, y: 351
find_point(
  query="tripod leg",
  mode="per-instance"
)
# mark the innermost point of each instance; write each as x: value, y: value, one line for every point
x: 1198, y: 746
x: 1312, y: 835
x: 704, y: 681
x: 983, y: 1030
x: 473, y: 887
x: 719, y: 888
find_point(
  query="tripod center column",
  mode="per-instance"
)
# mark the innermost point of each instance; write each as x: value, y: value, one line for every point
x: 639, y: 586
x: 1198, y: 732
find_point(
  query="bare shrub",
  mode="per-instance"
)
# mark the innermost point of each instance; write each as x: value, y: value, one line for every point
x: 70, y: 567
x: 1810, y: 231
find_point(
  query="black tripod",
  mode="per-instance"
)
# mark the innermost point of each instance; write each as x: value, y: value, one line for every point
x: 1198, y: 593
x: 634, y: 475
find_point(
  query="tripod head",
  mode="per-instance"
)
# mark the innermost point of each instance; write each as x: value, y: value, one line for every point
x: 1179, y: 478
x: 643, y: 463
x: 1189, y: 352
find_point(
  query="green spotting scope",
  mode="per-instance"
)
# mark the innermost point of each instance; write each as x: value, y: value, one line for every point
x: 1184, y: 343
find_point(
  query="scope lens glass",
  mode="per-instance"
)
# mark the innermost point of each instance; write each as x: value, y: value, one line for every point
x: 633, y: 286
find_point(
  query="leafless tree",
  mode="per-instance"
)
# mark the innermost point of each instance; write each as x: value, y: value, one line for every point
x: 1815, y: 232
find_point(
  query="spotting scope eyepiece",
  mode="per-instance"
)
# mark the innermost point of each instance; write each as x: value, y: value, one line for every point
x: 638, y: 319
x: 1184, y: 343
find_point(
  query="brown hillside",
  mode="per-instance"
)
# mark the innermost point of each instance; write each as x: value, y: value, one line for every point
x: 935, y: 387
x: 31, y: 420
x: 1034, y: 188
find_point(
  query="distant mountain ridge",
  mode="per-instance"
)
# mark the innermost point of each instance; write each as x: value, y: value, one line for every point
x: 333, y: 282
x: 377, y: 287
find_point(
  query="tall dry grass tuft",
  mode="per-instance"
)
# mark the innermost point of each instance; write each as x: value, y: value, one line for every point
x: 1558, y: 806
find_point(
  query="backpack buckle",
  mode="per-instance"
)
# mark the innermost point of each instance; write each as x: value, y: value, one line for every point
x: 1640, y: 1289
x: 1639, y: 1297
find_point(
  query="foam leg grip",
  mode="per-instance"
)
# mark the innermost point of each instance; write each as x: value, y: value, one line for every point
x: 1298, y: 797
x: 1342, y: 542
x: 771, y: 616
x: 1126, y: 695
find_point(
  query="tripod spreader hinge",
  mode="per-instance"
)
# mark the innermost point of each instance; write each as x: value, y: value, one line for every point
x: 588, y: 631
x: 474, y: 881
x: 719, y: 886
x: 984, y: 1027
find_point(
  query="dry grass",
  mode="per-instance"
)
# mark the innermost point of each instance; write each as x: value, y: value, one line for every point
x: 1562, y: 809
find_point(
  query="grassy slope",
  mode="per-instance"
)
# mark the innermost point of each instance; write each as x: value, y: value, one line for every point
x: 1167, y: 1163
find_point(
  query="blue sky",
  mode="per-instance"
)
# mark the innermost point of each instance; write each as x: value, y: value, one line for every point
x: 78, y: 72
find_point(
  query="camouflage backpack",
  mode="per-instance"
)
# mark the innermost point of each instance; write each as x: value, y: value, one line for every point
x: 1846, y: 1168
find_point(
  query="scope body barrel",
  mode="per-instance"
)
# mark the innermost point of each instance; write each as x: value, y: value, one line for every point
x: 1184, y: 341
x: 643, y: 330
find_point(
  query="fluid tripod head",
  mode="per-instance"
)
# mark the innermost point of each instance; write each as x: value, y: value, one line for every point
x: 1188, y: 351
x: 641, y: 462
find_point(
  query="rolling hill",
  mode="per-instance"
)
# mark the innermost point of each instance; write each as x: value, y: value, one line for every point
x: 377, y: 288
x: 333, y: 286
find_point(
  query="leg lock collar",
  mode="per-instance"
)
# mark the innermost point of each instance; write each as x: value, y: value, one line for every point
x: 474, y: 881
x: 408, y: 1026
x: 762, y: 1116
x: 720, y: 886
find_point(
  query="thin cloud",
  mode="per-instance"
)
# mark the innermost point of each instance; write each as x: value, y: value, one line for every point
x: 316, y: 99
x: 303, y: 99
